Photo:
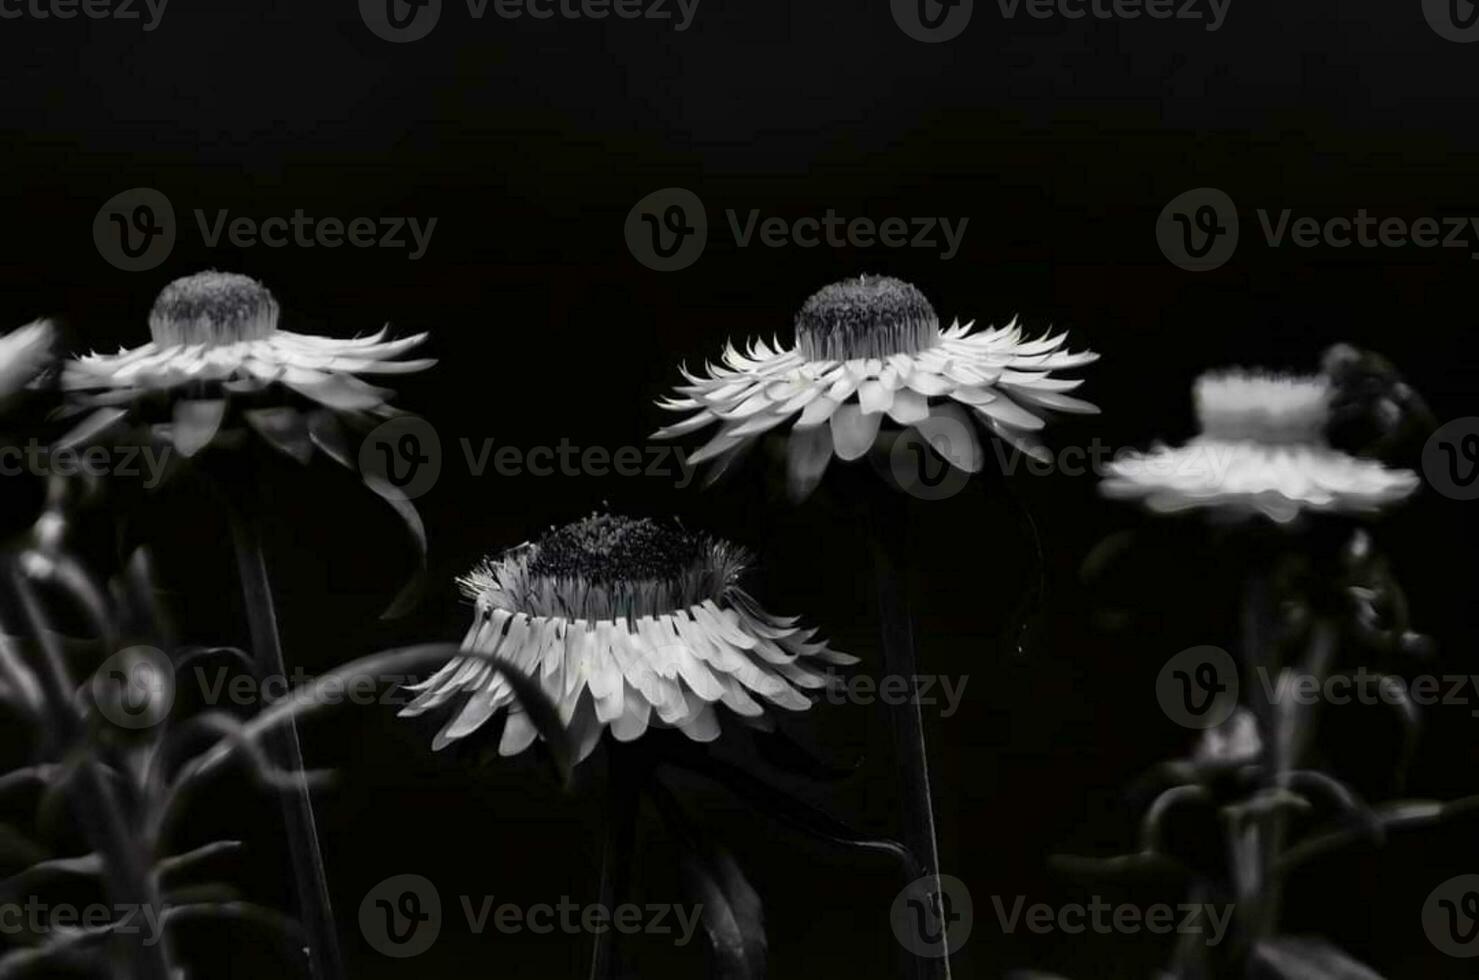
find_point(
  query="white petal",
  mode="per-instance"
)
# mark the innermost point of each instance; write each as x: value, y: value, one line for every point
x: 853, y: 432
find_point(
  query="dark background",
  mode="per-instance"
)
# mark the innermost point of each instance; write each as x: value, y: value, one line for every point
x: 1061, y: 141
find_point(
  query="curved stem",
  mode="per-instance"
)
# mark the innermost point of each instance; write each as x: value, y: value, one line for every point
x: 889, y: 540
x: 311, y: 879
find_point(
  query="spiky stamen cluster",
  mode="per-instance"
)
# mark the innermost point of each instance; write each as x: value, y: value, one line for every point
x: 608, y: 567
x: 213, y: 308
x: 1271, y: 409
x: 866, y: 317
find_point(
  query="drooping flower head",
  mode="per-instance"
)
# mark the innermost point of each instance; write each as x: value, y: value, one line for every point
x: 1262, y: 450
x: 870, y: 348
x: 625, y: 623
x: 216, y: 338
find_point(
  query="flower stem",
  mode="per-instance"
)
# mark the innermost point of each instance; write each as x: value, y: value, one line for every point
x: 627, y: 774
x: 889, y: 543
x: 311, y: 880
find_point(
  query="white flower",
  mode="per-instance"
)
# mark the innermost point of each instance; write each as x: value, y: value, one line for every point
x: 872, y: 347
x: 23, y: 353
x: 1262, y: 450
x: 625, y: 623
x: 219, y: 331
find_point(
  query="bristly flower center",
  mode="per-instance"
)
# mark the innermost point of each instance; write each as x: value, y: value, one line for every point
x: 609, y: 567
x: 214, y: 308
x: 1276, y: 410
x: 870, y: 316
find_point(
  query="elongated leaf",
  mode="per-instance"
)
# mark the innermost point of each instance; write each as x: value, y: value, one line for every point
x: 1297, y: 958
x: 410, y: 593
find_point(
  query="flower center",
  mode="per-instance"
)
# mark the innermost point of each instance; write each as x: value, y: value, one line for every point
x: 870, y: 316
x: 1270, y: 409
x: 215, y: 308
x: 608, y: 567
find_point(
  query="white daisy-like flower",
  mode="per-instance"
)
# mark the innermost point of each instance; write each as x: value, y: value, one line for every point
x: 23, y: 353
x: 625, y: 623
x: 870, y: 348
x: 1262, y: 450
x: 216, y: 337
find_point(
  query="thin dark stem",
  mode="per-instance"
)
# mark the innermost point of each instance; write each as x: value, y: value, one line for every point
x: 310, y: 877
x: 627, y: 774
x: 889, y: 539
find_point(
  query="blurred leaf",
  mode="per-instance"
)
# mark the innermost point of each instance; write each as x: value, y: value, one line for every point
x: 196, y: 423
x: 1292, y: 958
x: 783, y: 752
x: 732, y: 914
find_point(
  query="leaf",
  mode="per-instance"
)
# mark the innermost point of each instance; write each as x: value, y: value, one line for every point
x: 731, y: 912
x: 1297, y: 958
x: 284, y: 429
x: 327, y: 434
x: 410, y: 593
x: 91, y: 429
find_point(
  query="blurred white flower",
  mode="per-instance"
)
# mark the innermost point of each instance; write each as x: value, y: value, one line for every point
x: 1262, y: 450
x: 872, y: 347
x: 23, y: 353
x: 621, y: 620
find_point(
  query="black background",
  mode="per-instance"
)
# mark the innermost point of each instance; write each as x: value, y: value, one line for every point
x: 1060, y: 141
